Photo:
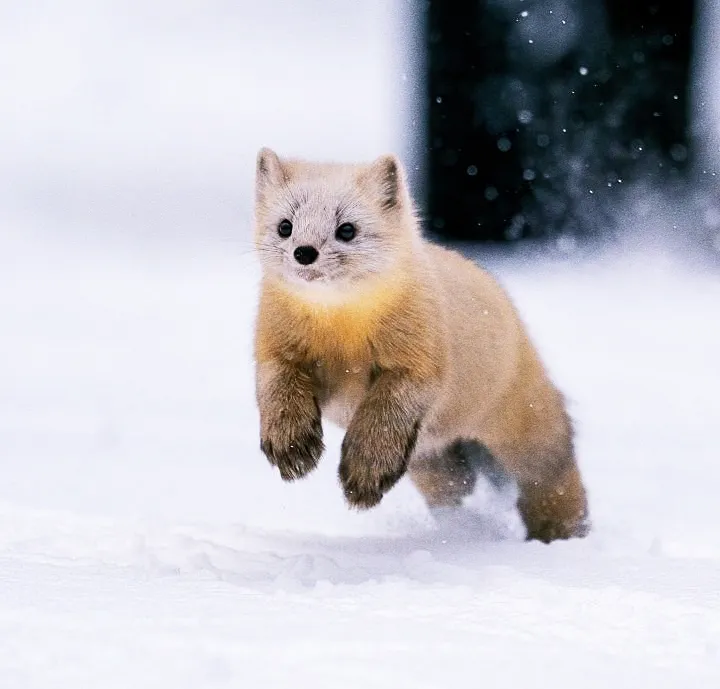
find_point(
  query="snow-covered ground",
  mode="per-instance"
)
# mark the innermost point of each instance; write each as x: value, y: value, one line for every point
x: 145, y: 542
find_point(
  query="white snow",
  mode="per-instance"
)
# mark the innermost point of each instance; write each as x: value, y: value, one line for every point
x: 145, y: 541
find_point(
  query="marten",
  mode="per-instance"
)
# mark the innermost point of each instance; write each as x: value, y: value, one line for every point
x: 414, y: 350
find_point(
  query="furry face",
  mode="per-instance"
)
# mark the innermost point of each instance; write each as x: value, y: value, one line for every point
x: 327, y: 228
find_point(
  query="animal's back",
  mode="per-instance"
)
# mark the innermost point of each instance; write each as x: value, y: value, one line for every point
x: 483, y: 339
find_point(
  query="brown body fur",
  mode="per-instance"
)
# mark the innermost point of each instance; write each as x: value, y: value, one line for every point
x: 428, y: 353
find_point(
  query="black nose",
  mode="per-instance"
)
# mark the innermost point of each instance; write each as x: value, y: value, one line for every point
x: 305, y: 255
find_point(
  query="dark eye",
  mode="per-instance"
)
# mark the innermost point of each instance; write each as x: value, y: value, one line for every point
x: 345, y: 232
x: 285, y: 229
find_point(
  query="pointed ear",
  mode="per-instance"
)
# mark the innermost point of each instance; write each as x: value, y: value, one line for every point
x: 387, y: 180
x: 269, y: 170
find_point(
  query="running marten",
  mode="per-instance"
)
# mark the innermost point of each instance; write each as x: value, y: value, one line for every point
x: 414, y: 350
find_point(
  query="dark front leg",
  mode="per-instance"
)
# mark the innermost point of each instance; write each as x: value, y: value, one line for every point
x: 290, y: 427
x: 381, y: 438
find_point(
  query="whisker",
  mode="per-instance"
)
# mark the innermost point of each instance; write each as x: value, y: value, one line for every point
x: 270, y: 251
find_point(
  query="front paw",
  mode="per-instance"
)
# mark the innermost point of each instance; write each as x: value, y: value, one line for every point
x: 293, y: 445
x: 371, y: 465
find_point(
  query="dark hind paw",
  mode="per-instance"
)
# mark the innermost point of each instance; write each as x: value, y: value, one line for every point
x: 555, y: 511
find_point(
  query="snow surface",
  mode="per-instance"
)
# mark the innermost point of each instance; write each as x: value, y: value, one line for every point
x: 145, y: 541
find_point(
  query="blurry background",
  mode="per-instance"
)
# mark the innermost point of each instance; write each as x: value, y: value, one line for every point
x: 516, y: 118
x: 544, y: 111
x: 143, y: 118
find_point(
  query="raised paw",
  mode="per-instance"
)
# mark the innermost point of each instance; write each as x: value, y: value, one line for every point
x: 364, y: 488
x: 292, y: 446
x: 370, y: 466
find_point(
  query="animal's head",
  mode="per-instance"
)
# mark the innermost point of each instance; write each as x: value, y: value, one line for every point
x: 326, y: 227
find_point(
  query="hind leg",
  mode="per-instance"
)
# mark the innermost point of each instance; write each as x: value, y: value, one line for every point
x: 555, y: 508
x: 446, y: 478
x: 552, y: 508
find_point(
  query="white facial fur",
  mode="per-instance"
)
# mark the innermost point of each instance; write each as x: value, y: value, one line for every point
x: 318, y: 198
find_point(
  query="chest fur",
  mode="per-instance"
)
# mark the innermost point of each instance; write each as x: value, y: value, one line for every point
x: 344, y: 332
x: 339, y: 346
x: 344, y: 336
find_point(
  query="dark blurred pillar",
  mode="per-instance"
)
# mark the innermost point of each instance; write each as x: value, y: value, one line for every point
x: 540, y: 111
